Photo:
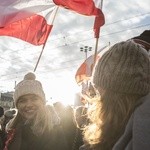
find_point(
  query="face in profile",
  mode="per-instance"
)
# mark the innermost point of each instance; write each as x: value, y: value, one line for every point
x: 29, y: 105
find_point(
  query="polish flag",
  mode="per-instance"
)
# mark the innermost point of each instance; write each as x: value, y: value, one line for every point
x: 84, y: 72
x: 86, y: 7
x: 30, y: 21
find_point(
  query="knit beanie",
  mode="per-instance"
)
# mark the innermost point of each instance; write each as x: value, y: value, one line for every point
x: 28, y: 86
x: 124, y: 68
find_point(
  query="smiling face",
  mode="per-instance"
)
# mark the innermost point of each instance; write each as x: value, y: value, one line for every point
x: 29, y: 105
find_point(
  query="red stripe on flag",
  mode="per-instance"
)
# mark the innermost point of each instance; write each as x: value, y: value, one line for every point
x: 97, y: 24
x: 34, y: 30
x: 85, y: 7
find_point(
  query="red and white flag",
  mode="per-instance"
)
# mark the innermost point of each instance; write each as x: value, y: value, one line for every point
x: 84, y: 72
x: 86, y: 7
x: 30, y: 20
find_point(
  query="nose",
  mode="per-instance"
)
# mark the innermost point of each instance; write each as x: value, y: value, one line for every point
x: 29, y: 103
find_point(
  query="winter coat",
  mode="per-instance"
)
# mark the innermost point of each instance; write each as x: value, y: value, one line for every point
x: 137, y: 132
x: 2, y: 138
x: 22, y: 138
x: 1, y: 141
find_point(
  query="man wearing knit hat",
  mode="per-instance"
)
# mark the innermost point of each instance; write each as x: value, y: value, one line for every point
x: 120, y: 117
x: 34, y: 126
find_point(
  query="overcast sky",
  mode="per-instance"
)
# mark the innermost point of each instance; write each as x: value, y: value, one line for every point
x: 62, y: 56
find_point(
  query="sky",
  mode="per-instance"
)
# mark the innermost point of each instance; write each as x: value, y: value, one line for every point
x: 62, y: 56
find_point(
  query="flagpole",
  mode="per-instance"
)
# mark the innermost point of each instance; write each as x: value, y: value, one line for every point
x: 95, y: 54
x: 45, y: 42
x: 97, y: 31
x: 97, y: 38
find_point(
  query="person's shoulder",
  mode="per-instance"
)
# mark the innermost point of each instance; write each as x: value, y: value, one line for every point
x: 145, y: 104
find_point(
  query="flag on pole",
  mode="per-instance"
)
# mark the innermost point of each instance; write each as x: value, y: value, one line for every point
x: 84, y: 72
x: 97, y: 25
x: 30, y: 21
x: 84, y: 7
x: 98, y: 22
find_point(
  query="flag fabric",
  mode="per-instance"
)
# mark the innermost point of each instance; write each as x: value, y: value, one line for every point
x: 84, y: 72
x: 29, y: 21
x: 84, y: 7
x: 97, y: 25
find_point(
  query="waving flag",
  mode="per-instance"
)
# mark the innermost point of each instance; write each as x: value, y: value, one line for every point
x: 84, y: 72
x: 30, y: 21
x: 85, y: 7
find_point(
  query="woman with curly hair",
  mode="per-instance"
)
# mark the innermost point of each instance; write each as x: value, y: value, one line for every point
x: 120, y: 115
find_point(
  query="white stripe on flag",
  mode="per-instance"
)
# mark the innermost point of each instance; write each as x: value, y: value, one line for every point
x: 30, y: 21
x: 97, y: 3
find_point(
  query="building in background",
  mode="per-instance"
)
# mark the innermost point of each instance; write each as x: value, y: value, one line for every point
x: 6, y: 100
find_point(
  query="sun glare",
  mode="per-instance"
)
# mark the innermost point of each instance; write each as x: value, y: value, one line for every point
x: 62, y: 90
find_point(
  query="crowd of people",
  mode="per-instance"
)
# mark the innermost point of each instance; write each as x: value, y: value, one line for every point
x: 116, y: 119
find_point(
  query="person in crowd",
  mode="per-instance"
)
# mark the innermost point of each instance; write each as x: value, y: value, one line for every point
x: 70, y: 128
x: 5, y: 116
x: 80, y: 120
x: 120, y: 116
x: 66, y: 119
x: 80, y: 116
x: 33, y: 127
x: 60, y: 110
x: 143, y: 39
x: 1, y: 126
x: 8, y: 115
x: 1, y: 115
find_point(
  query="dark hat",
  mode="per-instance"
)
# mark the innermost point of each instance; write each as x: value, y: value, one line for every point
x: 143, y: 39
x: 124, y: 68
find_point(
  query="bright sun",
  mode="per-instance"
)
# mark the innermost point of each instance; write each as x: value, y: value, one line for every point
x: 62, y: 90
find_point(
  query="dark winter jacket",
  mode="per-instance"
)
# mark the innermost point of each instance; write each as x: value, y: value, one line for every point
x: 23, y: 139
x: 1, y: 140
